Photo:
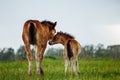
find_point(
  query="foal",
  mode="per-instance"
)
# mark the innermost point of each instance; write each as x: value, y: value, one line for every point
x: 72, y: 49
x: 37, y: 33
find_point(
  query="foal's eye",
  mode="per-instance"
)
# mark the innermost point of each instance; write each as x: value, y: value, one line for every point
x: 55, y: 38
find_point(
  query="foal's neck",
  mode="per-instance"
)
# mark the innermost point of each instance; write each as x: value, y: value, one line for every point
x: 64, y: 39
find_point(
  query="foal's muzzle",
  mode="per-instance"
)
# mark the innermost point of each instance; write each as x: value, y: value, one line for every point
x: 50, y: 42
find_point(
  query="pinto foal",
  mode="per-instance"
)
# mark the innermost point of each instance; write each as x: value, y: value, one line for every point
x: 72, y: 49
x: 37, y: 33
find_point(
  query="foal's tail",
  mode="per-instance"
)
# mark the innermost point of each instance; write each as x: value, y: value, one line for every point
x: 32, y: 33
x: 69, y: 50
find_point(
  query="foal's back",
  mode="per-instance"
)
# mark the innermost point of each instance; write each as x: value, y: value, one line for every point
x: 74, y: 46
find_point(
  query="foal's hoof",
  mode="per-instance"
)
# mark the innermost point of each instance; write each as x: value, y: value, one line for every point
x: 29, y: 74
x: 39, y: 73
x: 78, y: 73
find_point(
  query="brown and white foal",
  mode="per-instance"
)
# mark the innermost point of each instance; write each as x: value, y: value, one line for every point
x: 37, y: 33
x: 72, y: 49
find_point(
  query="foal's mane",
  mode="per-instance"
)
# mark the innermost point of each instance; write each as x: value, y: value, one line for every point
x: 66, y: 34
x: 45, y: 22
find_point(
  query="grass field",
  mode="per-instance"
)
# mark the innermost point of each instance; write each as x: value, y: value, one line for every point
x: 91, y: 69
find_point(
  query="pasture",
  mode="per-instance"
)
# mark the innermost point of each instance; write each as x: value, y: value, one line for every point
x: 91, y: 69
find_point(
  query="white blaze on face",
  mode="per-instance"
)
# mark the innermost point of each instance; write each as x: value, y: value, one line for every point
x: 53, y: 32
x: 51, y: 35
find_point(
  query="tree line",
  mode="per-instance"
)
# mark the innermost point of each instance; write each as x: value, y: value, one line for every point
x: 88, y: 51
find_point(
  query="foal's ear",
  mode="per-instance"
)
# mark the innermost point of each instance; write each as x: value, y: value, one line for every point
x: 55, y: 23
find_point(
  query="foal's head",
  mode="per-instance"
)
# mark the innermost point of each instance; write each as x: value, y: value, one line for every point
x: 51, y: 28
x: 60, y: 37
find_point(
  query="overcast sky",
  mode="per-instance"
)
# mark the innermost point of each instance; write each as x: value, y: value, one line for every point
x: 90, y: 21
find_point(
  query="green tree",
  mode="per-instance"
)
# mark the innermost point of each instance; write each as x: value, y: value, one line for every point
x: 100, y: 50
x: 87, y: 51
x: 54, y: 53
x: 21, y: 54
x: 7, y: 54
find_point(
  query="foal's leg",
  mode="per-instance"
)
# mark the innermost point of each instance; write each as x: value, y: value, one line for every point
x: 66, y: 60
x: 66, y: 66
x: 77, y: 63
x: 75, y: 66
x: 39, y: 57
x: 71, y: 65
x: 29, y: 57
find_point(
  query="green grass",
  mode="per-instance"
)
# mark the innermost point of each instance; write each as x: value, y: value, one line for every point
x: 91, y: 69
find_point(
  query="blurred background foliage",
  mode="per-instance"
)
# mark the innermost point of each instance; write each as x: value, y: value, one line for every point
x: 88, y: 51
